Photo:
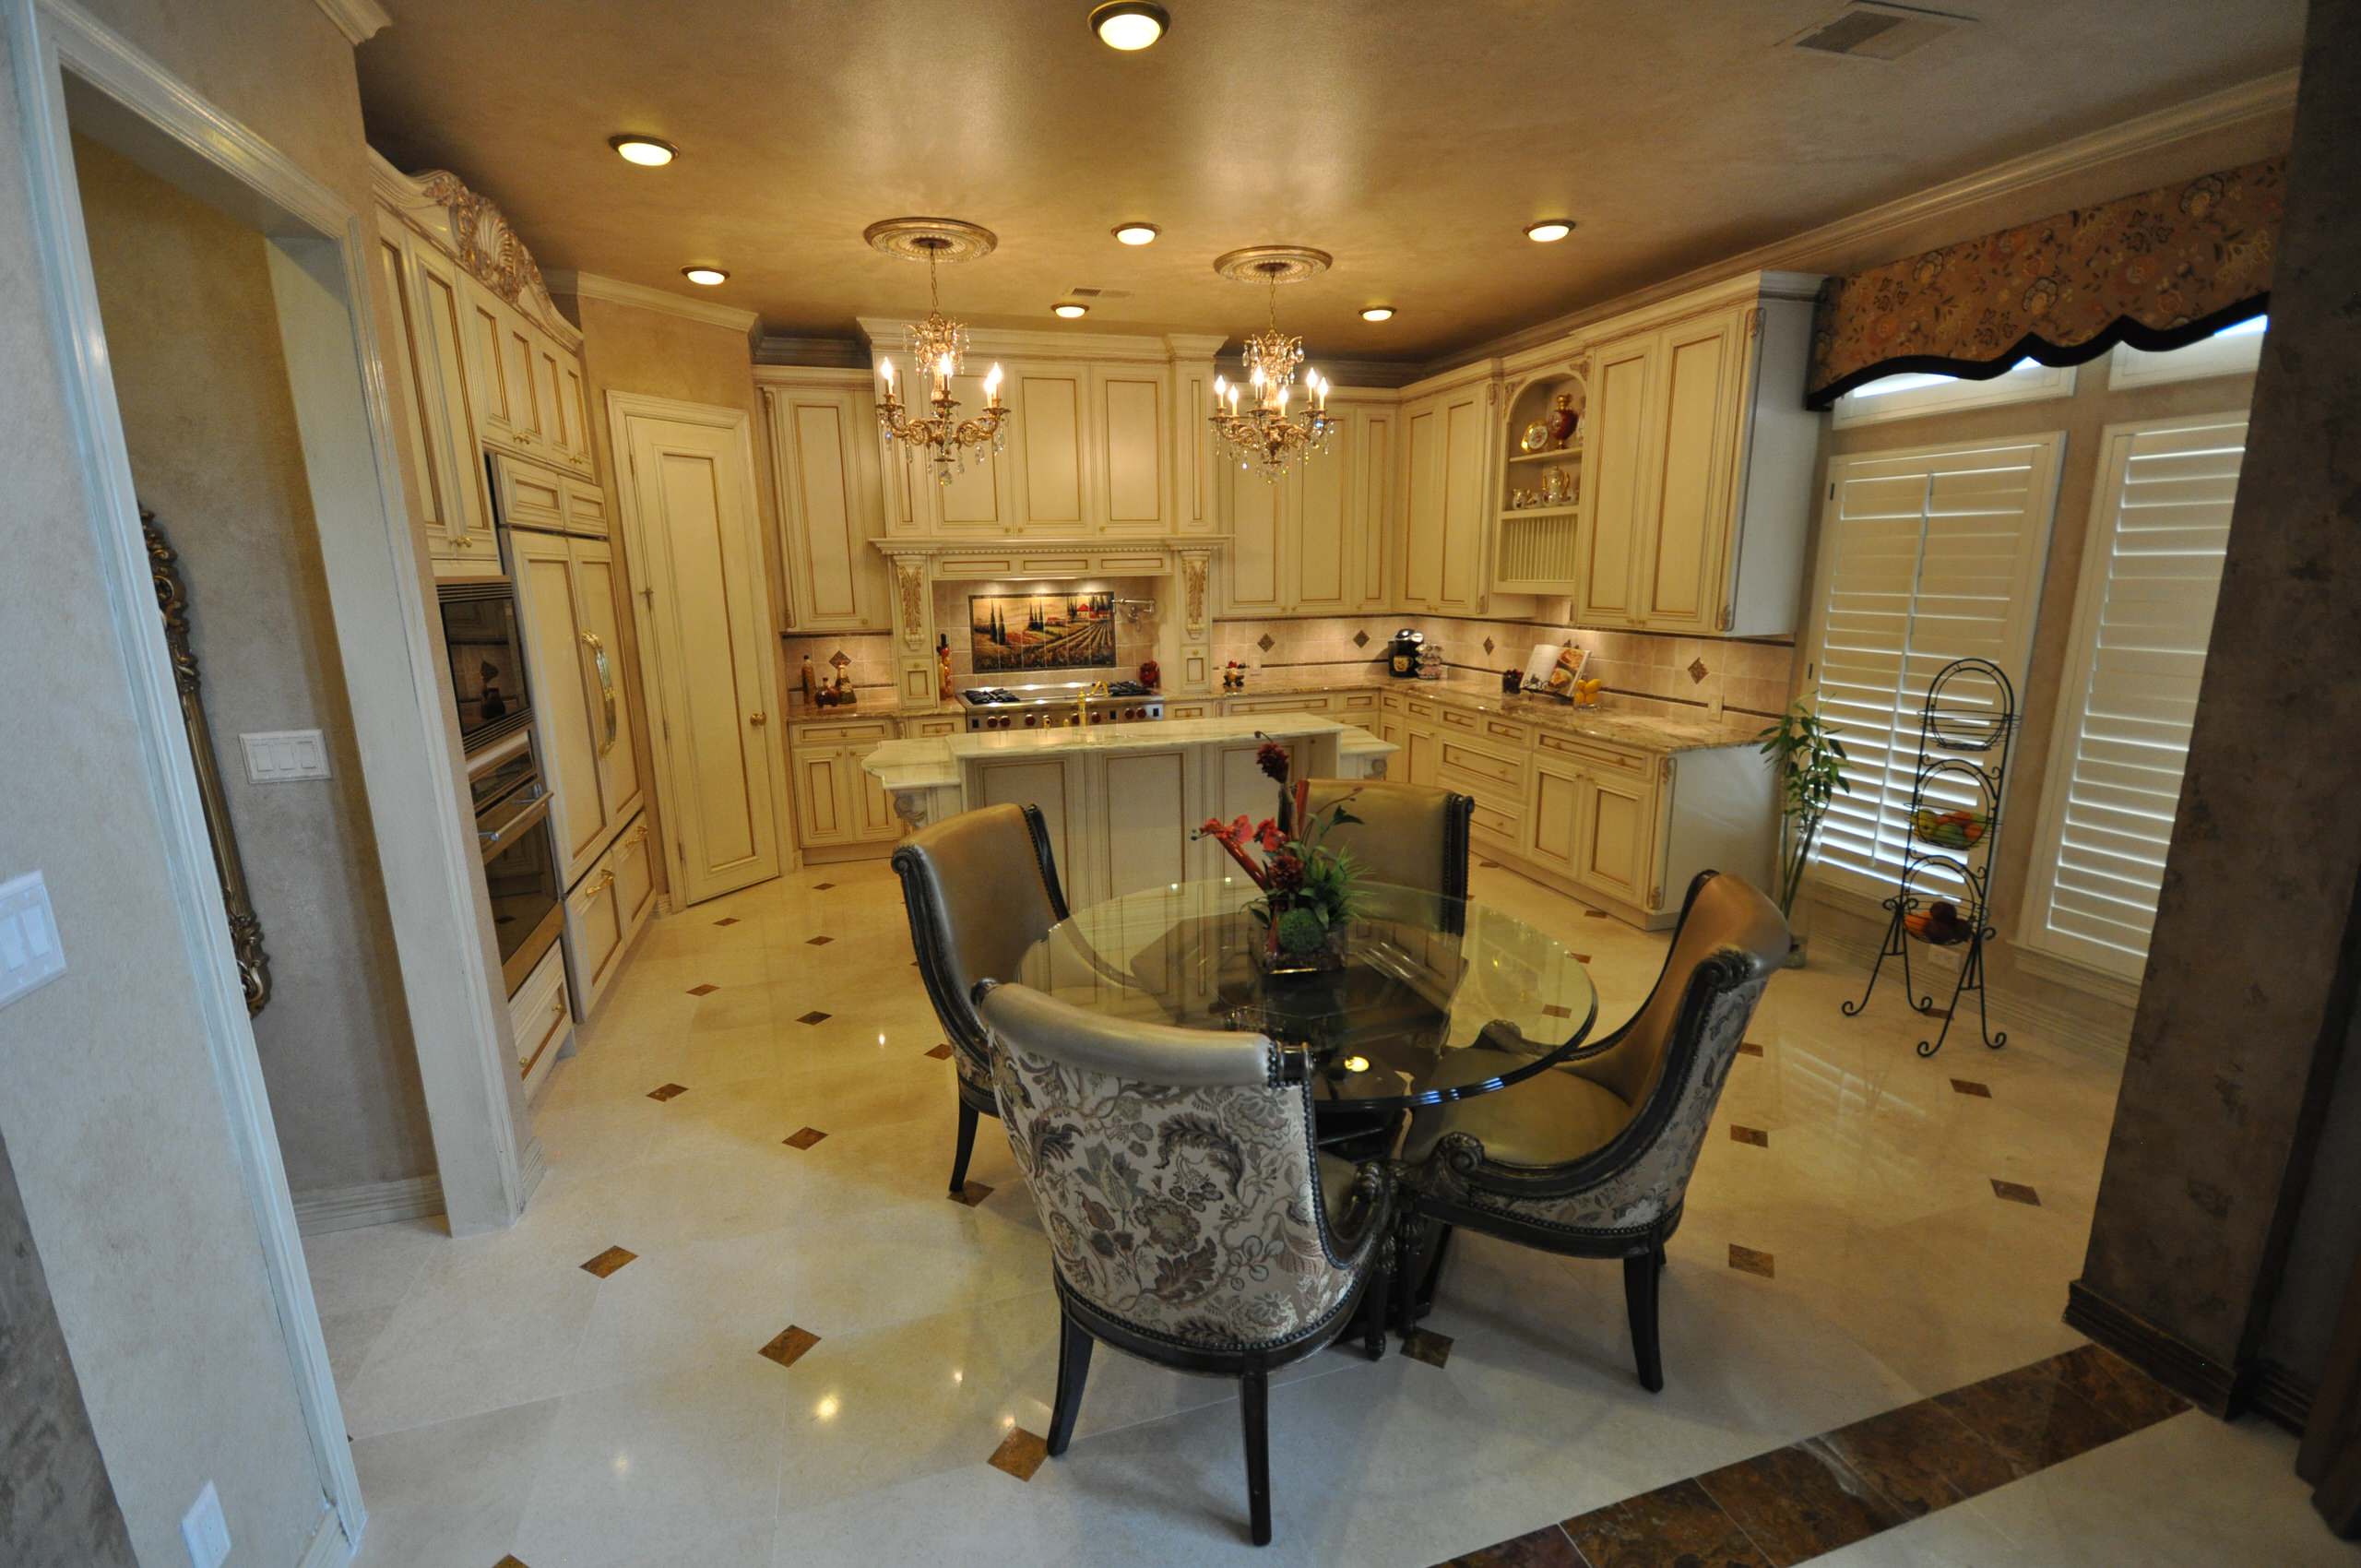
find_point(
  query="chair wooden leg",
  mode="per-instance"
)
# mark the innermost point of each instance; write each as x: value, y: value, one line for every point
x: 1432, y: 1275
x: 1377, y: 1299
x: 1254, y: 1404
x: 1640, y: 1297
x: 1074, y: 1370
x: 966, y: 1147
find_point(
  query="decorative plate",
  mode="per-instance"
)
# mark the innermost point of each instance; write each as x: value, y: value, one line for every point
x: 1536, y: 436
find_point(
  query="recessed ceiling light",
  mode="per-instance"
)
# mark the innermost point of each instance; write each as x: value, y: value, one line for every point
x: 1377, y: 313
x: 646, y: 151
x: 1550, y: 230
x: 1138, y: 233
x: 1070, y: 309
x: 1129, y: 25
x: 709, y: 276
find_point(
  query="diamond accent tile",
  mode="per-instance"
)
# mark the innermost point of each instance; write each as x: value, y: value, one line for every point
x: 2015, y: 1192
x: 667, y: 1091
x: 1425, y: 1345
x: 606, y: 1263
x: 1594, y: 914
x: 1019, y: 1454
x: 1746, y: 1260
x: 803, y: 1137
x: 971, y: 1194
x: 822, y: 887
x: 706, y: 990
x: 942, y: 1052
x: 818, y: 941
x: 1266, y: 642
x: 1360, y: 639
x: 815, y: 1017
x: 1489, y: 645
x: 1750, y: 1048
x: 511, y: 1560
x: 1969, y: 1086
x: 788, y: 1347
x: 727, y: 919
x: 1554, y: 1011
x: 1755, y: 1136
x: 1581, y: 957
x: 1697, y: 671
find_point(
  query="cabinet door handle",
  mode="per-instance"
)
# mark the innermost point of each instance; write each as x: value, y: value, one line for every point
x: 606, y: 685
x: 759, y: 720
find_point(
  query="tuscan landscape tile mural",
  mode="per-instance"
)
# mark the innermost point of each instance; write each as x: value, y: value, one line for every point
x: 1032, y: 631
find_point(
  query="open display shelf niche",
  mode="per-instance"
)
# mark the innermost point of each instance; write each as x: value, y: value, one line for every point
x: 1536, y: 549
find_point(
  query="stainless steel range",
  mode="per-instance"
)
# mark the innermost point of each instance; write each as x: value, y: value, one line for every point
x: 1052, y: 704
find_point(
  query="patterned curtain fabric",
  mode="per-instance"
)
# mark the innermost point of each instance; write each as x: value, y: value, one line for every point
x: 2157, y: 270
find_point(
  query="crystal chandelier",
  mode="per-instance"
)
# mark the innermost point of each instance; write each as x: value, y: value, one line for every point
x: 938, y: 349
x: 1263, y: 434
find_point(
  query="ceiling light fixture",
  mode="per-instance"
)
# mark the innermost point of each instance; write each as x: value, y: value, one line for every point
x: 1550, y: 230
x: 646, y: 151
x: 1072, y: 310
x: 1130, y: 25
x: 1377, y: 313
x: 1138, y: 233
x: 1265, y: 436
x: 708, y: 276
x: 938, y: 348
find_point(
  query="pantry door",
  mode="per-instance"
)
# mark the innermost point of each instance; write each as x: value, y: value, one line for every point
x: 705, y: 621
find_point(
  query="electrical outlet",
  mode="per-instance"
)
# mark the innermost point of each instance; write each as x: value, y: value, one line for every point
x: 204, y: 1531
x: 31, y: 954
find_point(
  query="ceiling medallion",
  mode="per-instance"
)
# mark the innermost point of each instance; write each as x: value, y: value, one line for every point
x: 1263, y: 434
x: 938, y: 349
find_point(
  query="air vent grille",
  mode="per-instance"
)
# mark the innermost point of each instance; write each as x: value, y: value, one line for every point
x: 1078, y: 292
x: 1868, y: 31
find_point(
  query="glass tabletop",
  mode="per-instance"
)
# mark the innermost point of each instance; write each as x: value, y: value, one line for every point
x: 1437, y: 999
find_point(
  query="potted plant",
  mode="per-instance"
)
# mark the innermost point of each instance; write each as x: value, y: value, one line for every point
x: 1810, y: 763
x: 1308, y: 887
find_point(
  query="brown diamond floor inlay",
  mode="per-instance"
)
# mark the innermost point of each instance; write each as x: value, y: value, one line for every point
x: 667, y: 1091
x: 803, y: 1137
x: 822, y: 887
x: 1542, y: 1549
x: 606, y: 1263
x: 511, y: 1560
x: 1554, y: 1011
x: 1755, y: 1136
x: 1582, y: 957
x: 2015, y: 1192
x: 1425, y: 1345
x: 1019, y: 1454
x: 971, y: 1194
x: 1676, y: 1524
x: 942, y: 1052
x: 788, y: 1347
x: 1749, y: 1260
x: 727, y: 919
x: 1750, y: 1048
x: 818, y: 941
x: 1968, y: 1086
x: 1594, y: 914
x: 706, y: 990
x: 814, y: 1016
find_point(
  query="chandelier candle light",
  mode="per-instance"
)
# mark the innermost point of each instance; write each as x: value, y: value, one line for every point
x: 938, y: 349
x: 1265, y: 435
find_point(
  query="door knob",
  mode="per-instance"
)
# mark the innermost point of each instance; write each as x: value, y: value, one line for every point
x: 759, y: 720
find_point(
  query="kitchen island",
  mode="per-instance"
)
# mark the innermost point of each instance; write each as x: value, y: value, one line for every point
x: 1121, y: 801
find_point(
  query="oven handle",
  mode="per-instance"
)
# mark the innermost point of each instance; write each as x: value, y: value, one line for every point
x: 606, y: 685
x: 498, y: 841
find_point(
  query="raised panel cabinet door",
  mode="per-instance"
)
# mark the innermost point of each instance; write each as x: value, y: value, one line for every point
x: 828, y: 494
x: 877, y: 819
x: 1199, y: 469
x: 1618, y: 830
x: 549, y: 392
x: 596, y: 593
x: 1032, y: 782
x: 1553, y: 816
x: 1685, y: 551
x: 1459, y: 584
x: 824, y: 814
x: 526, y: 416
x: 1615, y: 479
x: 1373, y: 505
x: 1051, y: 447
x: 1324, y: 547
x: 556, y: 663
x: 575, y: 409
x: 1422, y: 749
x: 594, y: 936
x: 1422, y: 488
x: 408, y: 351
x: 977, y: 498
x: 1252, y: 570
x: 486, y: 339
x: 451, y: 415
x: 1134, y: 492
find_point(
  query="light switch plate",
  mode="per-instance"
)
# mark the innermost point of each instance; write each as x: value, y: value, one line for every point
x: 284, y: 756
x: 205, y: 1532
x: 31, y: 954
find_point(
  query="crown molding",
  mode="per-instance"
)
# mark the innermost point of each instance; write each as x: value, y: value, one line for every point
x: 805, y: 373
x: 615, y: 291
x: 359, y: 21
x: 884, y: 333
x: 2247, y: 105
x: 820, y: 354
x: 474, y: 233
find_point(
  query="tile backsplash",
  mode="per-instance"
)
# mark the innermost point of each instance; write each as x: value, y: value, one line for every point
x: 1136, y: 629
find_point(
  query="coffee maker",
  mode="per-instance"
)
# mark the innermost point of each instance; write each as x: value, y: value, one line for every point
x: 1406, y: 655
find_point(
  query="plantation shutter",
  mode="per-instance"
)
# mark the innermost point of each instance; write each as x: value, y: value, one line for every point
x: 1926, y: 556
x: 2143, y: 614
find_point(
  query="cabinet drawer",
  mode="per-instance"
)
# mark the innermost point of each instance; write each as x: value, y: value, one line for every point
x: 1357, y: 702
x: 975, y: 566
x: 1499, y: 824
x: 1053, y: 566
x: 1132, y: 566
x: 1297, y: 704
x: 1597, y: 753
x: 594, y: 932
x: 929, y: 728
x: 633, y: 860
x: 1188, y: 710
x: 531, y: 495
x: 540, y: 1017
x: 1482, y: 764
x: 1418, y: 708
x: 1452, y: 719
x: 1513, y: 734
x: 838, y: 732
x: 586, y: 508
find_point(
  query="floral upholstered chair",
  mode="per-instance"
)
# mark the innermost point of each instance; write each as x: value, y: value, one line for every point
x: 1593, y: 1159
x: 1190, y: 1220
x: 1408, y: 835
x: 979, y: 888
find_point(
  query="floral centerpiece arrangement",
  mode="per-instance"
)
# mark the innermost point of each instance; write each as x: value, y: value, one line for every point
x: 1308, y: 887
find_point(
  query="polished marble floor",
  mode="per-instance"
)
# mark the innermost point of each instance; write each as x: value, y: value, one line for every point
x: 742, y: 1325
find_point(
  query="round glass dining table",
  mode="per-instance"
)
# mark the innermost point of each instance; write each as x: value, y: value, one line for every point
x: 1437, y: 999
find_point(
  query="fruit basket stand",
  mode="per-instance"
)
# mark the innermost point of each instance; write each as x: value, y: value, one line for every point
x: 1943, y: 896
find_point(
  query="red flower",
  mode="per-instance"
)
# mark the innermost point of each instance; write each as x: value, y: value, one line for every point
x: 1273, y: 759
x: 1267, y: 833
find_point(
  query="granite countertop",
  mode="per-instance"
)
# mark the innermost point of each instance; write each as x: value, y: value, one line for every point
x: 933, y: 763
x: 1482, y: 695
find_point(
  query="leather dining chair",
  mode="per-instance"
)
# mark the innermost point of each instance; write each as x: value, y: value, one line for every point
x: 1593, y: 1159
x: 1190, y: 1221
x: 1409, y: 835
x: 979, y: 888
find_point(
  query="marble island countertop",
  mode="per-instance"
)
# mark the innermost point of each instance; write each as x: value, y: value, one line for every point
x: 1641, y: 732
x: 935, y: 762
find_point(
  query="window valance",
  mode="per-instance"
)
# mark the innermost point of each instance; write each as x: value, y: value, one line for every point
x: 2158, y: 270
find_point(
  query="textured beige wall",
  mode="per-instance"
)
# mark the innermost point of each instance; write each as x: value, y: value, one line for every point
x: 109, y: 1103
x: 193, y: 337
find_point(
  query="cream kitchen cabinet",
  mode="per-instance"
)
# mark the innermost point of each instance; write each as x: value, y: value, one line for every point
x: 566, y: 593
x: 1697, y: 463
x: 428, y: 368
x: 541, y: 1020
x: 1629, y: 828
x: 1313, y: 541
x: 1446, y: 489
x: 841, y: 813
x: 605, y: 912
x: 525, y: 386
x: 1130, y: 430
x: 823, y: 453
